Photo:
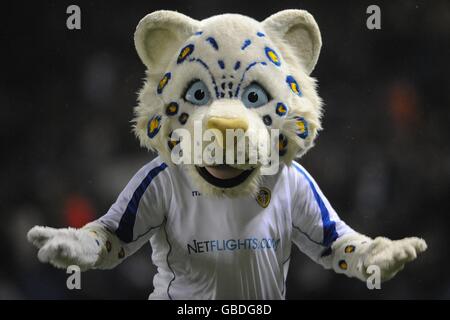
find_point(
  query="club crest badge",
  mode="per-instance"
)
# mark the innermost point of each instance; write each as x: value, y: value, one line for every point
x: 263, y: 197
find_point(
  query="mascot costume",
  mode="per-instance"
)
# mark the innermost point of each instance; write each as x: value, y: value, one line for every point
x: 225, y: 231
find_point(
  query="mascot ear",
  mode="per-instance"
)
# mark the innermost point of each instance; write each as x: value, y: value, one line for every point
x: 299, y: 30
x: 159, y: 35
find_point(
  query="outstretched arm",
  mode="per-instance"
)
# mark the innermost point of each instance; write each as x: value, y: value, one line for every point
x: 322, y: 235
x: 130, y: 222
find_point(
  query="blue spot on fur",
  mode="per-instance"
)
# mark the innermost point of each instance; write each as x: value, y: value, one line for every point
x: 172, y: 109
x: 198, y: 33
x: 281, y: 109
x: 246, y: 44
x: 293, y: 85
x: 153, y: 126
x: 213, y: 42
x: 185, y: 53
x: 237, y: 65
x: 163, y: 82
x: 221, y: 64
x: 260, y: 34
x: 272, y: 56
x: 302, y: 127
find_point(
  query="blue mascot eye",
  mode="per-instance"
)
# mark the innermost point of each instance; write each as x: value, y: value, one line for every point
x: 255, y: 96
x: 197, y: 93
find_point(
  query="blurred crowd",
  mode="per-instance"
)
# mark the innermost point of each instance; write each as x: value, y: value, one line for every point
x: 383, y: 159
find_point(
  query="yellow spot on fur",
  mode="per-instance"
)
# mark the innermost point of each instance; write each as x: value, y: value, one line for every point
x: 154, y: 125
x: 301, y: 126
x: 273, y: 56
x: 349, y: 249
x: 162, y: 83
x: 185, y: 52
x: 343, y: 265
x: 121, y: 254
x: 294, y: 87
x: 281, y: 144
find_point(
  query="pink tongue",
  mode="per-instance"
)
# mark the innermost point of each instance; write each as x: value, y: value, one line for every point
x: 224, y: 172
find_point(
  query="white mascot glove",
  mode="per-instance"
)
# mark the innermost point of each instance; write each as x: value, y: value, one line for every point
x: 88, y: 248
x: 353, y: 254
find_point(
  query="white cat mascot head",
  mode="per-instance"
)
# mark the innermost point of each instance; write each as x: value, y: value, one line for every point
x: 228, y: 73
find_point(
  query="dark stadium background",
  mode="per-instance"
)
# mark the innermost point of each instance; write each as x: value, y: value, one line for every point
x: 383, y: 159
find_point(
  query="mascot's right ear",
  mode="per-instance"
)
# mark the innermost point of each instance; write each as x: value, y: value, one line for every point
x: 159, y: 36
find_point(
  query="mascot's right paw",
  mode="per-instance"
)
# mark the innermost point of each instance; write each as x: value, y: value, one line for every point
x: 65, y: 247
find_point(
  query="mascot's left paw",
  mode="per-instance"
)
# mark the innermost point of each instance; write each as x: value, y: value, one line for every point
x: 391, y: 256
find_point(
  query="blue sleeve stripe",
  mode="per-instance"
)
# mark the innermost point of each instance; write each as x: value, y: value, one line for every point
x: 126, y: 224
x: 329, y: 227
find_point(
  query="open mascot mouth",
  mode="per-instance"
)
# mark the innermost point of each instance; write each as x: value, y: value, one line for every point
x: 223, y: 176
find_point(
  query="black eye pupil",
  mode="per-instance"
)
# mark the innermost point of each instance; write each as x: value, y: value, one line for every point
x: 253, y: 97
x: 199, y: 94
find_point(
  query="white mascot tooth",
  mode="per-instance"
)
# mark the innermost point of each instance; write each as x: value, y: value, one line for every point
x: 221, y: 231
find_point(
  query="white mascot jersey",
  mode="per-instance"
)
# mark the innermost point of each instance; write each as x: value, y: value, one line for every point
x: 221, y: 248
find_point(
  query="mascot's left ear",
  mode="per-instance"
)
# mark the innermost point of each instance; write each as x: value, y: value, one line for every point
x: 298, y: 30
